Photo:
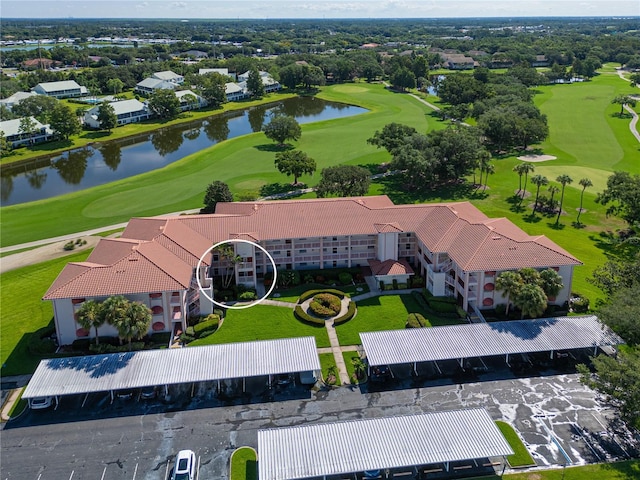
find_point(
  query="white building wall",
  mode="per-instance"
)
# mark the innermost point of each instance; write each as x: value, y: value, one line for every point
x: 387, y: 246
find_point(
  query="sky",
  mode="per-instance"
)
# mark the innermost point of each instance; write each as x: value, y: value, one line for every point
x: 263, y: 9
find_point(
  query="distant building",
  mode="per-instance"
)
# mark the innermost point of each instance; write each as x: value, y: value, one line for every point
x: 13, y: 135
x: 16, y: 98
x: 458, y: 61
x: 150, y: 85
x: 270, y: 84
x: 169, y: 76
x: 186, y: 105
x: 63, y: 89
x: 234, y: 92
x: 36, y: 63
x: 198, y: 54
x: 221, y: 71
x: 127, y: 111
x: 540, y: 61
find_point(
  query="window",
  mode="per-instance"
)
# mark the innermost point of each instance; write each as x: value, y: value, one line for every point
x: 335, y: 239
x: 288, y: 253
x: 335, y: 263
x: 407, y: 246
x: 216, y: 258
x: 335, y: 249
x: 370, y: 247
x: 304, y: 250
x: 288, y: 242
x: 276, y: 252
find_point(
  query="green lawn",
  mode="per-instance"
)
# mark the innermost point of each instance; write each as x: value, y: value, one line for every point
x: 388, y: 312
x: 521, y: 456
x: 23, y: 312
x: 347, y: 360
x: 263, y: 322
x: 628, y: 470
x: 243, y: 464
x: 241, y: 162
x: 327, y: 360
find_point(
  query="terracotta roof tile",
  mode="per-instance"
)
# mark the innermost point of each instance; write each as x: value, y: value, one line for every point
x: 390, y: 267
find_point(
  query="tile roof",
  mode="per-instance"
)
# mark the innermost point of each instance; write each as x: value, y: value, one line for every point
x: 157, y: 254
x: 390, y: 267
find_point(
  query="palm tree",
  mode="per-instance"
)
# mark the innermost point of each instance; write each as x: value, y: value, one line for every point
x: 489, y: 169
x: 228, y: 254
x: 508, y: 282
x: 483, y: 161
x: 114, y: 308
x: 584, y: 183
x: 538, y: 181
x: 551, y: 282
x: 564, y: 180
x: 89, y: 316
x: 553, y: 190
x: 519, y: 170
x: 527, y: 168
x: 134, y: 323
x: 531, y: 300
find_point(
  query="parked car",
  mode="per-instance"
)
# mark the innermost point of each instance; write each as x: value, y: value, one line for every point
x: 148, y: 393
x: 308, y: 377
x: 380, y: 373
x: 39, y: 403
x: 124, y: 394
x: 185, y: 467
x: 283, y: 379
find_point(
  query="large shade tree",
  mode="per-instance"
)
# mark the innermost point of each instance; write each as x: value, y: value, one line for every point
x: 622, y: 197
x: 296, y: 163
x: 217, y: 191
x: 343, y: 181
x: 282, y: 128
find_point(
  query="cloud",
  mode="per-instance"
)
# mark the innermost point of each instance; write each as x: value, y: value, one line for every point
x: 181, y: 5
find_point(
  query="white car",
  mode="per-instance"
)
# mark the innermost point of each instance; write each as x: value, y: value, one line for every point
x: 39, y: 403
x: 185, y: 468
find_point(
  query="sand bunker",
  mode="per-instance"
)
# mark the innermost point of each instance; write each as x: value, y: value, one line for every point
x: 536, y: 158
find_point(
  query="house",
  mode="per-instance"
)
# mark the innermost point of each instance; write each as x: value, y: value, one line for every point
x: 185, y: 104
x: 169, y: 76
x: 540, y: 61
x: 62, y: 89
x: 197, y: 54
x: 150, y: 85
x: 270, y: 84
x: 35, y: 63
x: 234, y: 92
x: 221, y: 71
x: 457, y: 249
x: 16, y: 98
x: 127, y: 111
x: 13, y: 135
x: 458, y: 61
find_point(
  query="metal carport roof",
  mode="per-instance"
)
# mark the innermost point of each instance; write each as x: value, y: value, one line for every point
x: 378, y: 443
x: 98, y: 373
x: 485, y: 339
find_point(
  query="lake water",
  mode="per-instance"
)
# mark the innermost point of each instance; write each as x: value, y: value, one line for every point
x: 89, y: 166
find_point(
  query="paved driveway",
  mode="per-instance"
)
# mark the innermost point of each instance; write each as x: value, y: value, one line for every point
x: 104, y: 441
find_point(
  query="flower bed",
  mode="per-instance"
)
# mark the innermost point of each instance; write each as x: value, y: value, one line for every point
x: 325, y: 305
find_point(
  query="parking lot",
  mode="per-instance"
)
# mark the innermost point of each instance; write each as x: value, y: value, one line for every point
x: 561, y: 421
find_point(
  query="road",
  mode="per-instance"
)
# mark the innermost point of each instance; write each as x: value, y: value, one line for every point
x: 76, y: 443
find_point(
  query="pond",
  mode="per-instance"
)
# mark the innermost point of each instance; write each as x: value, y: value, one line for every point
x: 102, y: 163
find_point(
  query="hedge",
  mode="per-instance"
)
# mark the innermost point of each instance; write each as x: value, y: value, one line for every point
x: 305, y: 317
x: 211, y: 323
x: 312, y: 293
x: 351, y: 311
x: 416, y: 320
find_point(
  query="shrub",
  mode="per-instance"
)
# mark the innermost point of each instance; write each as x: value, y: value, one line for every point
x: 402, y: 286
x: 326, y: 302
x: 501, y: 309
x: 191, y: 332
x: 345, y: 278
x: 416, y: 320
x: 578, y: 303
x: 311, y: 293
x: 160, y: 338
x: 395, y: 284
x: 416, y: 281
x: 442, y: 307
x: 184, y: 338
x: 219, y: 312
x: 308, y: 279
x: 41, y: 345
x: 288, y: 278
x: 210, y: 323
x: 80, y: 344
x: 300, y: 314
x: 420, y: 300
x: 461, y: 312
x: 69, y: 245
x: 381, y: 284
x: 248, y: 295
x: 351, y: 311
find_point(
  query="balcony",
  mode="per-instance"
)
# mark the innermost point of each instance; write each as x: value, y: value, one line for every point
x: 175, y: 299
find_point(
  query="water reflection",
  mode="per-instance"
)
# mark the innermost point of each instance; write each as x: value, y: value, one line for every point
x: 72, y: 167
x: 166, y: 141
x: 111, y: 154
x: 106, y: 162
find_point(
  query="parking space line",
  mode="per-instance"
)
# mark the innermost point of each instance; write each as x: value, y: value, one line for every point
x: 166, y: 471
x: 135, y: 471
x: 71, y: 476
x: 103, y: 472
